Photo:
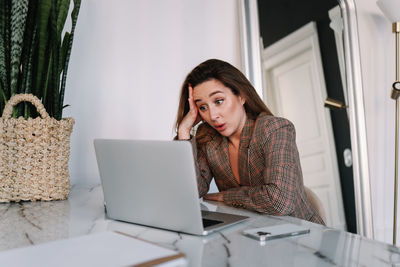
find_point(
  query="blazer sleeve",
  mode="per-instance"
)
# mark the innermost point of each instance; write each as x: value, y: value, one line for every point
x: 281, y: 175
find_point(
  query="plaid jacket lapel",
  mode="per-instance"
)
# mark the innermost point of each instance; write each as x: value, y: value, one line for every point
x: 245, y: 138
x: 218, y: 156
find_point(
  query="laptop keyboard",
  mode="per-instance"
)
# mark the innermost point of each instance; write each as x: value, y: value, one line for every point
x: 208, y: 222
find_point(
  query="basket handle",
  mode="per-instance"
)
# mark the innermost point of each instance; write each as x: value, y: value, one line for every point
x: 15, y: 99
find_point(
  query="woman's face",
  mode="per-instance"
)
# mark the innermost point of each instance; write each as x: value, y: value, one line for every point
x: 220, y: 108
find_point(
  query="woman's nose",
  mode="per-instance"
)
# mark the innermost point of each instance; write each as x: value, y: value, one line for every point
x: 214, y: 114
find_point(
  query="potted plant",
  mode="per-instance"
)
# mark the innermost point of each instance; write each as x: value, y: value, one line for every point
x: 34, y: 139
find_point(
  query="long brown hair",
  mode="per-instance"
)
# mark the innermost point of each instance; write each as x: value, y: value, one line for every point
x: 230, y: 77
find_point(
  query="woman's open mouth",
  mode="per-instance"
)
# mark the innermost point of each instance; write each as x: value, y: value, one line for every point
x: 220, y: 127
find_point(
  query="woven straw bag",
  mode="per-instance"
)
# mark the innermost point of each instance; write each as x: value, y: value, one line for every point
x: 34, y: 154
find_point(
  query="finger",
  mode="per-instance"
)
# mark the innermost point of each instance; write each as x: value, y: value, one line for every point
x: 190, y: 88
x: 192, y: 106
x: 210, y: 196
x: 191, y: 101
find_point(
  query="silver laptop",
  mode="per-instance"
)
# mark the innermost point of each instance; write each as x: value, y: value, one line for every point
x: 153, y: 183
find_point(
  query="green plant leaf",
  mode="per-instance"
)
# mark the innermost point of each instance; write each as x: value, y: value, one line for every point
x: 63, y: 51
x: 74, y: 16
x: 5, y: 43
x: 3, y: 99
x: 55, y: 41
x: 44, y: 7
x: 47, y: 81
x: 3, y: 70
x: 62, y: 13
x: 19, y: 11
x: 3, y: 18
x: 28, y: 71
x: 28, y: 46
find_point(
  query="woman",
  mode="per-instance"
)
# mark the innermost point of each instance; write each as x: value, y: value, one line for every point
x: 251, y: 154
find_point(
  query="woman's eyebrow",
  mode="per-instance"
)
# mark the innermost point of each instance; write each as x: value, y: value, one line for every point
x: 210, y: 95
x: 215, y: 92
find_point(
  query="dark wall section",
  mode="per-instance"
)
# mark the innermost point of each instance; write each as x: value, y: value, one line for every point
x: 279, y: 18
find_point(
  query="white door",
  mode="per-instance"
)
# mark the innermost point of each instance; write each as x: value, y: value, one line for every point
x: 295, y: 89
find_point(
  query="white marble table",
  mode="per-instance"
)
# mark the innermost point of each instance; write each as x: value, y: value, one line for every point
x: 27, y: 223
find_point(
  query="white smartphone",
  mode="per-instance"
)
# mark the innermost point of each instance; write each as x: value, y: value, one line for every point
x: 275, y: 231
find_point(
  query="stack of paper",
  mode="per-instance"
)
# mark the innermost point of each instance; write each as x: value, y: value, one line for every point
x: 100, y: 249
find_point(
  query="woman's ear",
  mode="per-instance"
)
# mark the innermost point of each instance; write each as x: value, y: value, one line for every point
x: 242, y: 100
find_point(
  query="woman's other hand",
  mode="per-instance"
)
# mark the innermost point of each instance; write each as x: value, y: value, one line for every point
x: 190, y: 119
x: 214, y: 197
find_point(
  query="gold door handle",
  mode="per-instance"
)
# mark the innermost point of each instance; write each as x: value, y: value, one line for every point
x: 334, y: 104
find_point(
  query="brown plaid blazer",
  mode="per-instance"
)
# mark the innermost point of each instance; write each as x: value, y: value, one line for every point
x: 271, y: 179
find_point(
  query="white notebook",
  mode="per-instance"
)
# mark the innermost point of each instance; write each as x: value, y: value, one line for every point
x: 100, y: 249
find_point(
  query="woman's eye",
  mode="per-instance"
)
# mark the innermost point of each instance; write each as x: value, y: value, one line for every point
x: 219, y: 101
x: 202, y: 108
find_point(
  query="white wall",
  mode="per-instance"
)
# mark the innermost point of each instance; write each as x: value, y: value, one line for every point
x: 378, y: 68
x: 128, y: 62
